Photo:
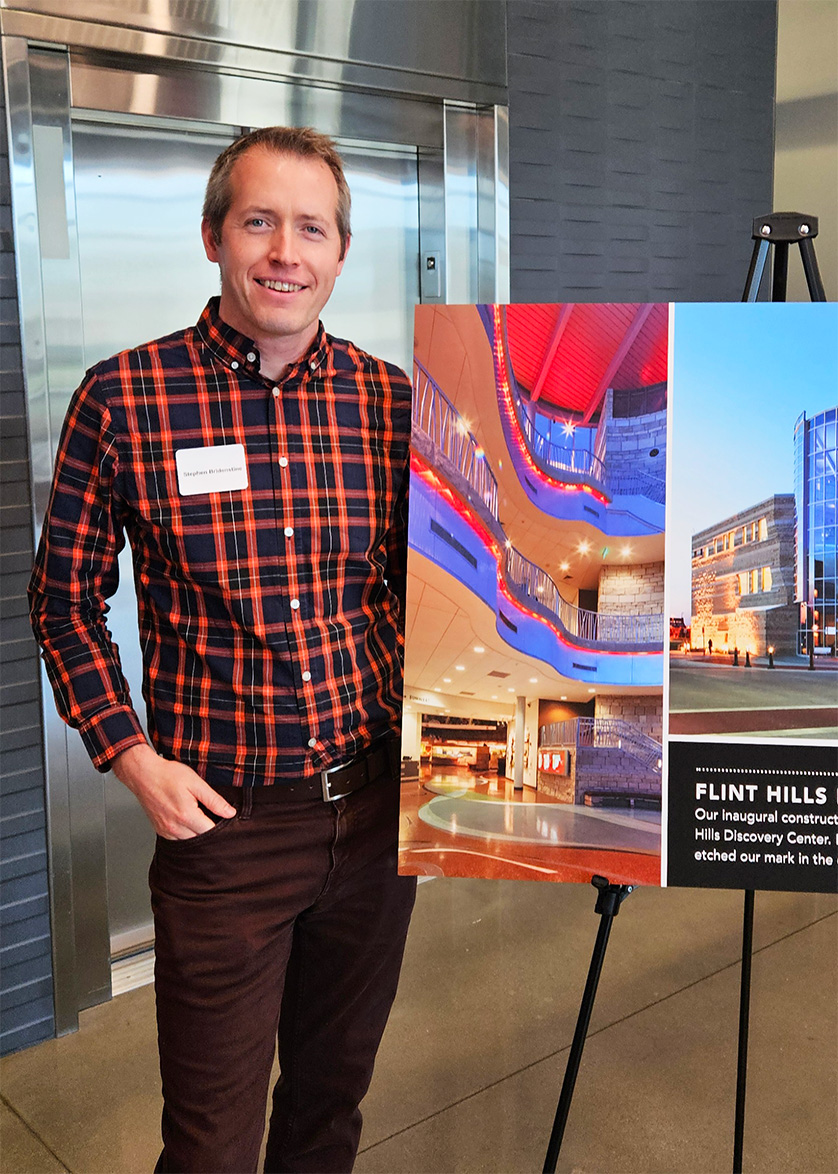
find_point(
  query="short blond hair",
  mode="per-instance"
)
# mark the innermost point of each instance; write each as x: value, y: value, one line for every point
x: 302, y: 141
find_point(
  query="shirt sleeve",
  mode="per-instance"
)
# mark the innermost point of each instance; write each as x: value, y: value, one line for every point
x: 76, y: 571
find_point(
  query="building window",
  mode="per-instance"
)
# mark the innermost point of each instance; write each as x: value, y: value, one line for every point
x: 752, y: 582
x: 763, y: 529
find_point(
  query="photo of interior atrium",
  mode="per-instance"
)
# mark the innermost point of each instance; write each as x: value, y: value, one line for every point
x: 535, y: 612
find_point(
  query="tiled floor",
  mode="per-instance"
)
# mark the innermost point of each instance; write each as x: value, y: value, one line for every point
x: 455, y: 822
x: 470, y: 1068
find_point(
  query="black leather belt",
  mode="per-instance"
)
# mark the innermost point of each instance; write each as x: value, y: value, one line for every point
x: 381, y: 758
x: 376, y: 761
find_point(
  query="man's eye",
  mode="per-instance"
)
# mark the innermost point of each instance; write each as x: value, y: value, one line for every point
x: 314, y: 230
x: 256, y: 222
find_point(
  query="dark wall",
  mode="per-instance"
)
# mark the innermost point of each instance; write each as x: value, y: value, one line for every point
x: 641, y: 146
x: 25, y: 959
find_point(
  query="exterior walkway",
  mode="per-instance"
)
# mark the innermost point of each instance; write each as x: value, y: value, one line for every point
x: 717, y: 698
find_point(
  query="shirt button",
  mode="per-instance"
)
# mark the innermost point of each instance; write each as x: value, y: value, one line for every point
x: 312, y: 742
x: 275, y: 393
x: 306, y: 675
x: 251, y: 357
x: 288, y: 531
x: 295, y: 604
x: 283, y: 462
x: 313, y: 364
x: 234, y: 365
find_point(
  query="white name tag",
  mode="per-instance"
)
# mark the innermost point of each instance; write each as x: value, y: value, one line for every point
x: 211, y: 470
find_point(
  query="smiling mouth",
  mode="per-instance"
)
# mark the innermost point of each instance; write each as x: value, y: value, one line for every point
x: 279, y: 286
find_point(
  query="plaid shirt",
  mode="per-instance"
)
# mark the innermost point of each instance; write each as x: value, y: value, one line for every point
x: 271, y: 616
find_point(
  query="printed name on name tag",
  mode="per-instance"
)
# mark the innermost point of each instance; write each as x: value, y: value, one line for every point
x: 211, y: 470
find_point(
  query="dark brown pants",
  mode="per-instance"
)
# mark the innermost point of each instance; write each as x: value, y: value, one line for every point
x: 294, y: 906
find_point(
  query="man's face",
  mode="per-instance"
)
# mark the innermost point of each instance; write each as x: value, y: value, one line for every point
x: 279, y: 252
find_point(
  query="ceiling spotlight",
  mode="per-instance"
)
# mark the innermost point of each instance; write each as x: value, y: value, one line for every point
x: 533, y: 680
x: 592, y: 690
x: 584, y: 546
x: 479, y: 648
x: 564, y: 566
x: 437, y: 689
x: 494, y: 696
x: 563, y: 698
x: 567, y: 428
x: 510, y: 690
x: 626, y: 551
x: 446, y: 680
x: 461, y: 668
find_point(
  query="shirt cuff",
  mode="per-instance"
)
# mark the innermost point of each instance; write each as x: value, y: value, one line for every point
x: 109, y: 733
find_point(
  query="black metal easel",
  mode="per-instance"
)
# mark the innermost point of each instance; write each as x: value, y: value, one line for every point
x: 780, y: 229
x: 609, y: 899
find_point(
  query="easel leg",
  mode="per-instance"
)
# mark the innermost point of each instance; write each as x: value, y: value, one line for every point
x: 744, y: 1020
x: 810, y: 268
x: 780, y: 276
x: 608, y: 902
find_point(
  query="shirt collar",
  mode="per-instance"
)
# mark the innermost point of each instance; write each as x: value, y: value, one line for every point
x: 241, y: 353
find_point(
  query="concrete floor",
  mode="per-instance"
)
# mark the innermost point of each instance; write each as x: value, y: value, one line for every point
x: 471, y: 1065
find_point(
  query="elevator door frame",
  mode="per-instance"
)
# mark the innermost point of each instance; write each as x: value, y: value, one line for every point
x: 45, y: 84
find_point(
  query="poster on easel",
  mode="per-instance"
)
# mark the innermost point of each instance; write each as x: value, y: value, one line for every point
x: 620, y: 630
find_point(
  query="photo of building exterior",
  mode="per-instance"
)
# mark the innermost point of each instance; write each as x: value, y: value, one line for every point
x: 536, y: 591
x: 743, y: 581
x: 757, y: 505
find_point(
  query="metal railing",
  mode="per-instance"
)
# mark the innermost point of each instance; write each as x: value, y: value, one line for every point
x: 640, y: 484
x: 436, y: 418
x: 604, y: 733
x: 537, y: 585
x: 581, y: 462
x: 556, y: 456
x: 439, y: 420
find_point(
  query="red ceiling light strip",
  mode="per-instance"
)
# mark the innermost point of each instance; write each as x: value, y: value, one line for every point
x: 507, y: 406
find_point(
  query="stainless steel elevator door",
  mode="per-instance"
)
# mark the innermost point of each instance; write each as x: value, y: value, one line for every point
x: 144, y: 274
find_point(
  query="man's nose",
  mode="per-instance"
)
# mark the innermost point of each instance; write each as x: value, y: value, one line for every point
x: 283, y: 249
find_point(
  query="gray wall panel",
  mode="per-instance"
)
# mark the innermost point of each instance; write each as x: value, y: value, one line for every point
x: 641, y: 146
x: 25, y: 961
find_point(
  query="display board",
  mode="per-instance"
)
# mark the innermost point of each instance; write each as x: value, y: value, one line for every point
x: 621, y: 611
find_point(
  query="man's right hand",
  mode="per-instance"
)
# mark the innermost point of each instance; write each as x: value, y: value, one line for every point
x: 169, y: 793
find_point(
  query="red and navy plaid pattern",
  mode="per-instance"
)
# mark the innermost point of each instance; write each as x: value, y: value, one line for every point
x: 270, y: 617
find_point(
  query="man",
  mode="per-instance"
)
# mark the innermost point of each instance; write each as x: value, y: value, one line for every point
x: 259, y: 470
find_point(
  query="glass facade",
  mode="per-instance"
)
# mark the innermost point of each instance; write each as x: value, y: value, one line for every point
x: 815, y: 460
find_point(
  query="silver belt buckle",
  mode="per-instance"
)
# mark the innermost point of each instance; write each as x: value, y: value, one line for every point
x: 325, y: 785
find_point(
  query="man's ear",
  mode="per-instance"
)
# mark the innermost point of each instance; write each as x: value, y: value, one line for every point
x: 210, y: 243
x: 342, y: 261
